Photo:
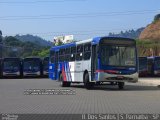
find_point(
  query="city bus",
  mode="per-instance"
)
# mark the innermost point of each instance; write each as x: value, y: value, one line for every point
x: 95, y: 61
x: 11, y: 67
x: 143, y: 67
x: 45, y: 66
x: 32, y: 66
x: 154, y: 66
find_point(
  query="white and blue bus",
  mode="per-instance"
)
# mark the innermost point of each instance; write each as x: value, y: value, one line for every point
x: 95, y: 61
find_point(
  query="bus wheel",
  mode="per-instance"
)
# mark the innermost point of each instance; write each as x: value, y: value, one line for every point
x: 64, y: 83
x: 87, y: 84
x: 121, y: 85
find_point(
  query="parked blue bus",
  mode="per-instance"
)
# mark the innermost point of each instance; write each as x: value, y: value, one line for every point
x: 143, y: 67
x: 154, y: 66
x: 95, y: 61
x: 0, y: 68
x: 46, y: 66
x: 32, y: 66
x: 11, y: 67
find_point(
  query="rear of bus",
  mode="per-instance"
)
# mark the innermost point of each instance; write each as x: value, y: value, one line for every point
x: 143, y: 66
x: 157, y: 66
x: 11, y: 67
x: 32, y: 66
x: 117, y: 61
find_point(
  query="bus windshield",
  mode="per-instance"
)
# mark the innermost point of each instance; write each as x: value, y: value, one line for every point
x: 118, y: 55
x: 14, y: 65
x: 31, y: 64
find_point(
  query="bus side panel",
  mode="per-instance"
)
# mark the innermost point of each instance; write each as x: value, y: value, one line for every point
x: 72, y: 71
x: 66, y: 72
x: 79, y: 71
x: 51, y: 72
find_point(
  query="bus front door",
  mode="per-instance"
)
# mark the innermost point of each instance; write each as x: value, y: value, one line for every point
x: 93, y: 62
x: 56, y: 66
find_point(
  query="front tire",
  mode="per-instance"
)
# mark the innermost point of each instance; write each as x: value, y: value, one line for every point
x: 87, y: 84
x: 121, y: 85
x: 64, y: 83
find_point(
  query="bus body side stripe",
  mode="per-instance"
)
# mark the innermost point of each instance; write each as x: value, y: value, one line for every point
x: 63, y: 73
x: 66, y: 71
x: 69, y: 67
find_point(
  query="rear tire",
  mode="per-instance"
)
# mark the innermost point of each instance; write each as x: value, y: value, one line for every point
x: 121, y: 85
x: 64, y: 83
x: 87, y: 84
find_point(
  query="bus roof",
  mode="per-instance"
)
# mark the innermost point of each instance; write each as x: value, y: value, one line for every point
x: 56, y: 48
x: 142, y: 57
x: 96, y: 40
x: 9, y: 58
x: 93, y: 41
x: 31, y: 58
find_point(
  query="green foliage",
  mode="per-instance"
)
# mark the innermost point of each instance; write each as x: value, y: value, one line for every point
x: 58, y: 43
x: 157, y: 17
x: 24, y: 49
x: 145, y: 47
x: 44, y: 52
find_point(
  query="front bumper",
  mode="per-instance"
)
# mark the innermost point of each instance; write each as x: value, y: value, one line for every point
x: 11, y: 73
x: 105, y: 77
x: 31, y: 74
x: 45, y: 73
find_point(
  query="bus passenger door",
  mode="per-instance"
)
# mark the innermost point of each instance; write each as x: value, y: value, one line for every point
x: 93, y: 62
x: 56, y: 66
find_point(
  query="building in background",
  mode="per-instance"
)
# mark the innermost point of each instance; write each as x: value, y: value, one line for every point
x: 58, y: 40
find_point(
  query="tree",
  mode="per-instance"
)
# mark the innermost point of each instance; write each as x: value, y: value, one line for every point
x: 157, y: 17
x: 0, y: 36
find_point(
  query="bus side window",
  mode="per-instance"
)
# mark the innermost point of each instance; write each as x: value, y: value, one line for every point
x: 67, y: 54
x: 87, y: 51
x: 79, y: 54
x: 52, y: 58
x: 61, y: 55
x: 73, y: 53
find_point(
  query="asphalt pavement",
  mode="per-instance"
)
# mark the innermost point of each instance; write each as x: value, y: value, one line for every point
x: 16, y: 97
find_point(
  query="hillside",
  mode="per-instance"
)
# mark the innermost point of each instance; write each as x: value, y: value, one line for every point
x: 33, y: 39
x: 128, y: 34
x: 150, y: 39
x: 151, y: 32
x: 14, y: 47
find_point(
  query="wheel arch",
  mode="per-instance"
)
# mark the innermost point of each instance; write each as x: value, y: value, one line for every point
x: 84, y: 73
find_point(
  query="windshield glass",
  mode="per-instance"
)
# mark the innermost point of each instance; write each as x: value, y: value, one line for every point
x: 8, y: 65
x: 116, y: 55
x: 31, y: 64
x: 142, y: 63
